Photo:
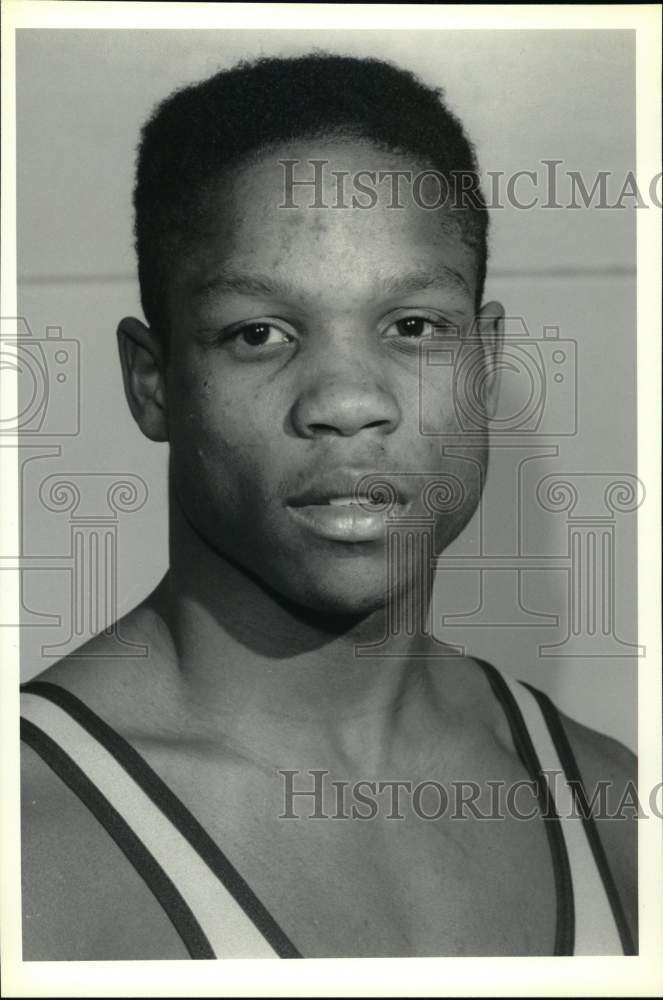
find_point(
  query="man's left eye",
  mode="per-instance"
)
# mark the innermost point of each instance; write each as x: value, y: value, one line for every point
x: 414, y: 326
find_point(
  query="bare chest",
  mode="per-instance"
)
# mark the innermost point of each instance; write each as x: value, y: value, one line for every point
x: 377, y: 866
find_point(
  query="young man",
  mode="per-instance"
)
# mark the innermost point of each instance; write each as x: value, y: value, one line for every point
x: 281, y: 360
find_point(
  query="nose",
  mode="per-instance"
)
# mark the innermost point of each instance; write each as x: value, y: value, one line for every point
x: 344, y: 398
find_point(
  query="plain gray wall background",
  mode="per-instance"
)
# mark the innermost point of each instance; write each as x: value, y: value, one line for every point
x: 524, y: 96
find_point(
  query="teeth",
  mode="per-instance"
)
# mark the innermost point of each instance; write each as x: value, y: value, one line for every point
x: 346, y: 501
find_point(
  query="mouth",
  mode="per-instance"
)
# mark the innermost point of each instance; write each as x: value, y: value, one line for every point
x: 348, y: 513
x: 346, y: 501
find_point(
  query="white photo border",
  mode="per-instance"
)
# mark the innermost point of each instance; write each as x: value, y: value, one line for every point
x: 641, y: 975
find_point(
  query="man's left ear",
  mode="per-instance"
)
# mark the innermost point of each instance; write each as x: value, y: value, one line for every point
x: 489, y: 324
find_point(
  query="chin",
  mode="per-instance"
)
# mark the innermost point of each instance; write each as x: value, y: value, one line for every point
x: 344, y: 605
x: 344, y: 594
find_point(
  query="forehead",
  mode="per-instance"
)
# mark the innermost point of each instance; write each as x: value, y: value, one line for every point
x: 327, y: 235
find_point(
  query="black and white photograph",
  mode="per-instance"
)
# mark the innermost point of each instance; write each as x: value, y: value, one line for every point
x: 331, y: 539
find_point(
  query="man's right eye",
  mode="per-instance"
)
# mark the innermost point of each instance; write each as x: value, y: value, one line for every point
x: 254, y: 340
x: 261, y: 335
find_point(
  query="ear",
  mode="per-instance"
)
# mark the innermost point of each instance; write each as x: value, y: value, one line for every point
x: 489, y: 324
x: 142, y: 359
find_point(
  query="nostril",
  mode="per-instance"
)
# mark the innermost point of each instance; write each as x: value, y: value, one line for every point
x: 318, y: 428
x: 344, y: 429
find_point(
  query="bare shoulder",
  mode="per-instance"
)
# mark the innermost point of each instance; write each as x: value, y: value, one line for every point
x: 609, y: 772
x: 120, y: 673
x: 82, y: 900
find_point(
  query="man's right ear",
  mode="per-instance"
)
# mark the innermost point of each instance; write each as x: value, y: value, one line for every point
x: 142, y: 359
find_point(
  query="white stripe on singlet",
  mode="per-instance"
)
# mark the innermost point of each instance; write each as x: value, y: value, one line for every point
x: 228, y: 929
x: 596, y: 931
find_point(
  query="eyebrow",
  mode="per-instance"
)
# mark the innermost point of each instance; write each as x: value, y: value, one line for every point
x: 269, y: 286
x: 420, y: 280
x: 247, y: 284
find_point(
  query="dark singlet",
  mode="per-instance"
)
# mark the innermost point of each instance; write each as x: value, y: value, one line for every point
x: 211, y: 906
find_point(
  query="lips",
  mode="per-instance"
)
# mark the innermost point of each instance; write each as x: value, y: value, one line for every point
x: 347, y: 506
x: 366, y: 488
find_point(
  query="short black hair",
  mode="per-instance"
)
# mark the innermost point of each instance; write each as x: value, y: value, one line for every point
x: 209, y: 126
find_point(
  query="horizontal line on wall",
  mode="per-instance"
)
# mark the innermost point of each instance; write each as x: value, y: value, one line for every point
x: 76, y: 279
x: 616, y: 270
x: 494, y: 273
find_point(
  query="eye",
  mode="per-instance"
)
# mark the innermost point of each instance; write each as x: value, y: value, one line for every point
x: 261, y: 335
x: 257, y: 339
x: 414, y: 326
x: 409, y: 329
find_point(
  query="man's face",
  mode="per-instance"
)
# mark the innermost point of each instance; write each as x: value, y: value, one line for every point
x: 294, y: 372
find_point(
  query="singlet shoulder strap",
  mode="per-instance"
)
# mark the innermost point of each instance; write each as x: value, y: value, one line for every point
x: 580, y: 816
x: 215, y: 912
x: 600, y: 924
x: 506, y: 693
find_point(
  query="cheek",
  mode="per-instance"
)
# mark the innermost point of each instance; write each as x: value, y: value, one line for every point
x: 221, y: 451
x: 451, y: 390
x: 459, y: 470
x: 457, y: 461
x: 203, y: 412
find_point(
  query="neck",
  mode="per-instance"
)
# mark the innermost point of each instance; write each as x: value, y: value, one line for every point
x: 254, y: 661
